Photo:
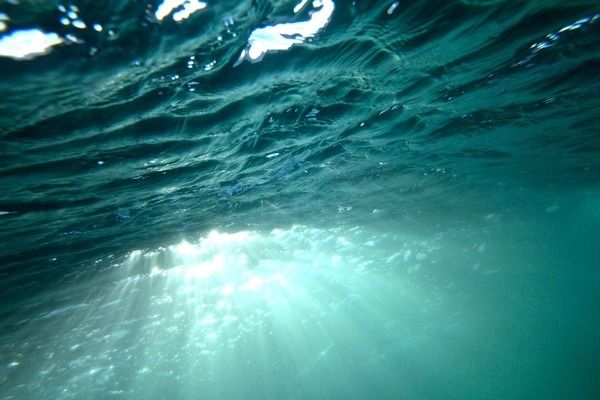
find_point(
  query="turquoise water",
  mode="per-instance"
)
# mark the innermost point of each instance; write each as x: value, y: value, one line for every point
x: 299, y: 200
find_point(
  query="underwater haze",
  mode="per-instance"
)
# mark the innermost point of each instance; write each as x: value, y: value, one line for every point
x: 299, y: 199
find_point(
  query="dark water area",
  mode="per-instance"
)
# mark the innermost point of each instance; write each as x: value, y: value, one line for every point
x: 299, y: 200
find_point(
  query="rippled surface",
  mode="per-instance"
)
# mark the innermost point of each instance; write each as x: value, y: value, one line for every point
x: 312, y: 199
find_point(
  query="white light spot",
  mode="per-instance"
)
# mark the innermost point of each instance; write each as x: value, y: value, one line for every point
x: 27, y: 44
x: 283, y: 36
x: 79, y: 24
x: 210, y: 65
x: 393, y: 7
x: 186, y: 8
x: 3, y: 19
x: 189, y: 8
x: 72, y: 38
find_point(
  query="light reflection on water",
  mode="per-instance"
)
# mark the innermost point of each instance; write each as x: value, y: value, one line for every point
x: 28, y: 43
x: 283, y: 36
x: 181, y: 9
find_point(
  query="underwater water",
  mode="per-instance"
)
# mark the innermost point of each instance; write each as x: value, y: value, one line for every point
x: 300, y: 199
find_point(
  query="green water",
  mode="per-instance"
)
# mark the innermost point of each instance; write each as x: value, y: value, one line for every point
x: 289, y: 200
